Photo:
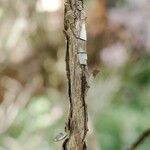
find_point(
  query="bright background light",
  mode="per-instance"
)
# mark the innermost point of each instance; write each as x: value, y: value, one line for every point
x: 48, y: 5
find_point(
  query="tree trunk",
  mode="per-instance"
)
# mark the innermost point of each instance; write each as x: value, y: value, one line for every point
x: 76, y: 68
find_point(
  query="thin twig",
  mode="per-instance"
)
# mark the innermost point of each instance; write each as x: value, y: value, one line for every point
x: 141, y: 139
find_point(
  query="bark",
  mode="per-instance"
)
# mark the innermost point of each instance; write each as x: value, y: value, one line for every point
x: 77, y: 74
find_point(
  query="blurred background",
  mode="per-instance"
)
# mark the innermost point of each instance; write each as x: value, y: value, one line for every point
x: 33, y: 84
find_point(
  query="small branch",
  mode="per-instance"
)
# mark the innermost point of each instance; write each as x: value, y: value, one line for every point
x: 77, y: 74
x: 141, y: 139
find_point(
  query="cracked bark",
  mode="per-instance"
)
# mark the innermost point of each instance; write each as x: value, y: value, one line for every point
x: 77, y: 74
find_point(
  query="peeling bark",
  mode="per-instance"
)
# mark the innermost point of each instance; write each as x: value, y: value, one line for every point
x: 77, y: 74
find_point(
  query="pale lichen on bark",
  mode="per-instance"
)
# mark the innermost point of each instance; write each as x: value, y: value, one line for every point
x: 77, y: 74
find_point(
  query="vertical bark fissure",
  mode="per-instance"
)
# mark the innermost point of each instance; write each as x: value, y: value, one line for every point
x: 76, y: 69
x: 69, y: 80
x: 84, y: 87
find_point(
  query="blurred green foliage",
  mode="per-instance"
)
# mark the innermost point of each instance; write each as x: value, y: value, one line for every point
x: 128, y: 115
x: 34, y: 127
x: 118, y: 100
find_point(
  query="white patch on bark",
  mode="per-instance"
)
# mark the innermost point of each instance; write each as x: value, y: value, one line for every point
x: 83, y: 34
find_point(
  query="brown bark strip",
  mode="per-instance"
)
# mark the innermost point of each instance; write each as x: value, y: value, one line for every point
x: 74, y: 17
